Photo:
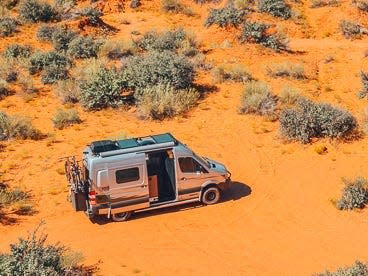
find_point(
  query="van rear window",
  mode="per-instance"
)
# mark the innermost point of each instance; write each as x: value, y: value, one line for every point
x: 127, y: 175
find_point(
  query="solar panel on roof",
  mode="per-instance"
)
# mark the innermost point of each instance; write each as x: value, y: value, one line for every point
x: 163, y: 138
x: 127, y: 143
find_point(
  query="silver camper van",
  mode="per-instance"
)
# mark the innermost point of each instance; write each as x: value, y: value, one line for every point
x: 117, y: 178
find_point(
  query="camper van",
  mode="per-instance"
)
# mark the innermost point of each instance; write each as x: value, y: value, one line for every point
x: 117, y: 178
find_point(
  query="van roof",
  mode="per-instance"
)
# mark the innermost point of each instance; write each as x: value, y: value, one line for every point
x: 99, y: 147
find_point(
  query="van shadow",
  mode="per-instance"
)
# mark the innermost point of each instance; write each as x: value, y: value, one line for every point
x: 237, y: 191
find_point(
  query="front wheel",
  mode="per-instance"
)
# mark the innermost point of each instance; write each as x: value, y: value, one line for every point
x: 121, y: 216
x: 211, y: 196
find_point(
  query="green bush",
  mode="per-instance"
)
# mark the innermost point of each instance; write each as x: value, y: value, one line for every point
x: 68, y: 90
x: 324, y: 3
x: 354, y: 194
x: 163, y: 100
x: 254, y: 32
x: 45, y: 32
x: 65, y: 118
x: 258, y: 99
x: 53, y: 73
x: 9, y: 4
x: 32, y: 256
x: 17, y: 127
x: 309, y: 120
x: 159, y: 67
x: 41, y: 60
x: 277, y: 8
x: 169, y: 40
x: 235, y: 74
x: 83, y: 47
x: 36, y: 11
x: 93, y: 15
x: 223, y: 17
x: 8, y: 26
x: 135, y: 4
x: 16, y: 51
x: 61, y: 38
x: 102, y: 89
x: 351, y: 29
x: 287, y: 69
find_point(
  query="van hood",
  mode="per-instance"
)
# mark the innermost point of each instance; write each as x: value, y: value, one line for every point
x: 216, y: 166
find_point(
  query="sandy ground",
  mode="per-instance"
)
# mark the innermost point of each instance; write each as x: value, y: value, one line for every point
x: 278, y: 219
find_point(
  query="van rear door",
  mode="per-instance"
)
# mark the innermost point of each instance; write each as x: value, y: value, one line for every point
x: 129, y: 185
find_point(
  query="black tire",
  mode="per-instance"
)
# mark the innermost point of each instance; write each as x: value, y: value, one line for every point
x: 124, y: 216
x: 211, y: 195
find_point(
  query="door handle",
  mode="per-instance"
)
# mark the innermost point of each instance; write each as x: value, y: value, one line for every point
x: 144, y: 186
x: 183, y: 178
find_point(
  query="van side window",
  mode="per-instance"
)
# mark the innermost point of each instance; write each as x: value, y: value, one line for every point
x: 127, y: 175
x: 189, y: 165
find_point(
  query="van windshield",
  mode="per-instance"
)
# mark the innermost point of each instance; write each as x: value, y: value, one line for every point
x: 202, y: 160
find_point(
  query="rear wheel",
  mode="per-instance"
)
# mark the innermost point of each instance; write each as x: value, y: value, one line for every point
x: 121, y: 216
x: 211, y: 196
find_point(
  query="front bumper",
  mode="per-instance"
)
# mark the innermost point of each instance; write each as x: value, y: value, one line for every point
x: 224, y: 186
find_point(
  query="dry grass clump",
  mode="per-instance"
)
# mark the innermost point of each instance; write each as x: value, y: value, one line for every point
x: 287, y: 69
x: 354, y: 194
x: 235, y: 73
x: 257, y: 98
x: 365, y: 120
x: 68, y: 91
x: 175, y: 6
x: 351, y: 29
x: 163, y: 100
x: 357, y: 269
x: 17, y: 127
x: 116, y: 49
x: 324, y: 3
x: 361, y: 4
x: 289, y: 95
x: 65, y: 118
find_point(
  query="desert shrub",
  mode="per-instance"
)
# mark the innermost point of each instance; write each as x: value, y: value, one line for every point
x: 36, y: 11
x: 135, y: 4
x: 61, y: 38
x: 254, y: 32
x: 65, y: 118
x: 357, y: 269
x: 9, y: 4
x: 258, y: 99
x: 45, y: 32
x: 175, y: 6
x: 159, y: 67
x: 364, y: 92
x: 351, y: 29
x: 53, y: 73
x: 169, y: 40
x: 41, y: 60
x: 361, y: 4
x: 17, y: 50
x: 83, y: 47
x: 102, y: 89
x: 68, y: 90
x: 27, y: 85
x: 289, y: 95
x: 8, y: 26
x: 235, y: 74
x: 17, y: 127
x: 287, y: 69
x: 3, y: 89
x: 11, y: 196
x: 324, y: 3
x: 93, y: 15
x: 223, y: 17
x: 163, y: 100
x: 277, y: 8
x: 309, y: 119
x: 33, y: 256
x: 354, y: 194
x: 116, y: 49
